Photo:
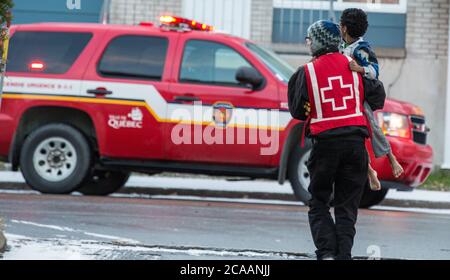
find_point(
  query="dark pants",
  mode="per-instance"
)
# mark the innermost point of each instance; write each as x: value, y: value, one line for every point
x: 342, y: 163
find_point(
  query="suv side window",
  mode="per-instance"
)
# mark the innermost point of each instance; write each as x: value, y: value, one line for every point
x: 54, y: 52
x: 135, y: 57
x: 208, y: 62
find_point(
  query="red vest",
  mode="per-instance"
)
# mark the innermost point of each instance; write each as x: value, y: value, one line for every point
x: 336, y: 94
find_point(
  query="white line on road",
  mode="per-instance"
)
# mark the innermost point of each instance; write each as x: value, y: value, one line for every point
x: 68, y: 229
x: 245, y: 200
x: 278, y: 202
x: 415, y: 210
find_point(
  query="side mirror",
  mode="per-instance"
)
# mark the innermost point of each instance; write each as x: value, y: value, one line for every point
x: 249, y: 76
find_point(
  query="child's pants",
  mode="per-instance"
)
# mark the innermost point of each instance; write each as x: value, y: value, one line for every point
x: 380, y: 144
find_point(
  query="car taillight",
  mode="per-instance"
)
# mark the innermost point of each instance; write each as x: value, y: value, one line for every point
x: 394, y: 124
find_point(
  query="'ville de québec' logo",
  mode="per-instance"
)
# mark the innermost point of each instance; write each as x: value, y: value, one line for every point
x: 132, y: 120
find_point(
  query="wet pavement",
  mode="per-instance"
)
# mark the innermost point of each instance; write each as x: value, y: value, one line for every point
x: 81, y: 227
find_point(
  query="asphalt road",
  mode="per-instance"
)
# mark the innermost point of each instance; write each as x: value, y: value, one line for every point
x: 45, y: 226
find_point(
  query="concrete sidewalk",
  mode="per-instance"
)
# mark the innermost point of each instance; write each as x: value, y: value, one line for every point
x: 257, y: 189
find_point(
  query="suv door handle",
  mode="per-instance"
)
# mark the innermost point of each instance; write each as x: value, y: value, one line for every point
x: 99, y: 91
x: 186, y: 98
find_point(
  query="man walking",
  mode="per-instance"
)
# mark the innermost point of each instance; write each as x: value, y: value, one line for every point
x: 329, y: 96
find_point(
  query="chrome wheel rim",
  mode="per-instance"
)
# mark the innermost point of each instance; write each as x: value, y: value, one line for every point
x: 54, y: 159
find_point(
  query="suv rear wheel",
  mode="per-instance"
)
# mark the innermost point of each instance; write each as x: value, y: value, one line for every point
x: 104, y: 182
x: 55, y: 159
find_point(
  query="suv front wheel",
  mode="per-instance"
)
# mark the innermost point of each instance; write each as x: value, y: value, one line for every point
x: 298, y: 172
x: 300, y: 179
x: 55, y: 159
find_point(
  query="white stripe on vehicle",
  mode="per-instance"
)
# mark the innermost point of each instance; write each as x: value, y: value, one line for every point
x: 164, y: 111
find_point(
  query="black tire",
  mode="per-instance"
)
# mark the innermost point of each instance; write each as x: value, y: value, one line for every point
x: 102, y: 183
x: 297, y: 157
x: 371, y: 198
x: 74, y: 178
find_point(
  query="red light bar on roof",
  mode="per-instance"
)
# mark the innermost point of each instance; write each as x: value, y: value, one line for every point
x: 184, y: 23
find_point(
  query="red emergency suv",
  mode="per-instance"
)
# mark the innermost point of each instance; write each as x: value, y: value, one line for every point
x: 86, y: 104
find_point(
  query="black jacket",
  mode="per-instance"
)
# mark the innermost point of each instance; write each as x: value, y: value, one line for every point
x: 374, y: 94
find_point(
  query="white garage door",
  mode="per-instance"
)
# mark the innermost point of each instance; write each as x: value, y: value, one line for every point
x: 231, y: 16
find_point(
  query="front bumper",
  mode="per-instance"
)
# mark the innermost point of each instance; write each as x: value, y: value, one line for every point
x: 396, y: 186
x: 416, y: 160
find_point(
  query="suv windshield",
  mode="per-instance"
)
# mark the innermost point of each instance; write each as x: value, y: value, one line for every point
x: 278, y: 66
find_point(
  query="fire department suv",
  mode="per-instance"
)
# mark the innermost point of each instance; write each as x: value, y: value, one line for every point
x: 86, y: 104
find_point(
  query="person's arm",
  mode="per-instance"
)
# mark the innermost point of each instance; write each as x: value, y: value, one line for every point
x: 298, y: 99
x: 365, y: 63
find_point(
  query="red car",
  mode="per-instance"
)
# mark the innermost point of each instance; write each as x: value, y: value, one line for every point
x: 86, y: 104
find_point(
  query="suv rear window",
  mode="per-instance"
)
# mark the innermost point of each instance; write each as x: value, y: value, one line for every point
x: 134, y: 57
x: 48, y: 52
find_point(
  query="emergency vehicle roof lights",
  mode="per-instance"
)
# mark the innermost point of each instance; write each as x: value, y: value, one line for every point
x: 184, y: 24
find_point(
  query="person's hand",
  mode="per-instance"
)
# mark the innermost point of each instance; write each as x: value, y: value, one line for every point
x: 354, y: 66
x: 307, y: 107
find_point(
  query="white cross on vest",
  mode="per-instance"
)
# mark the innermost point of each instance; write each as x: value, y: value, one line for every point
x: 337, y: 93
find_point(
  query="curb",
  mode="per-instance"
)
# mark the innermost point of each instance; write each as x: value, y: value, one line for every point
x: 416, y: 204
x: 244, y: 195
x: 272, y: 196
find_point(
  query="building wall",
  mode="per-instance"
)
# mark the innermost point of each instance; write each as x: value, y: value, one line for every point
x: 135, y: 11
x: 387, y: 30
x: 427, y: 28
x: 417, y: 74
x: 230, y: 16
x: 423, y: 76
x: 420, y: 77
x: 261, y: 21
x: 26, y: 11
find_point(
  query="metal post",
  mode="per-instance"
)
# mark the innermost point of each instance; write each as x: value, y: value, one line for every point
x: 2, y: 237
x: 446, y: 164
x: 5, y: 46
x: 331, y: 11
x: 104, y: 16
